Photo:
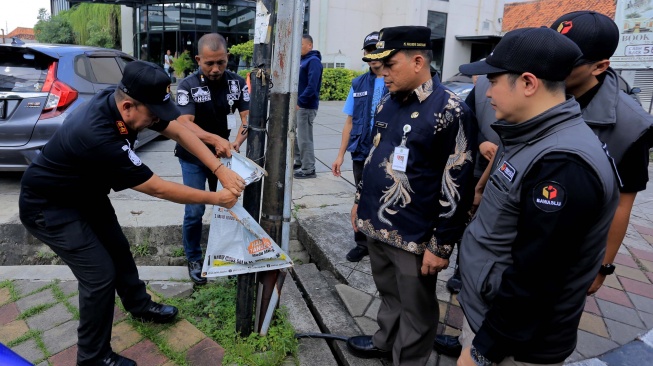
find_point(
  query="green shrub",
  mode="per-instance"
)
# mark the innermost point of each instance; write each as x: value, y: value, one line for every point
x: 243, y: 73
x: 183, y: 64
x: 336, y: 83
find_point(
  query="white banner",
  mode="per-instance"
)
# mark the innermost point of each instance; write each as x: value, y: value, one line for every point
x: 635, y: 21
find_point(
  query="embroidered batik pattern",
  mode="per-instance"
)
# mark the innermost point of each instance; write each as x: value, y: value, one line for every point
x: 391, y: 237
x: 398, y: 194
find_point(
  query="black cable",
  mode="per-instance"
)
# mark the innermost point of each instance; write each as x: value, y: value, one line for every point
x: 321, y: 335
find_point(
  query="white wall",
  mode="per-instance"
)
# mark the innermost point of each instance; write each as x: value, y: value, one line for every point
x: 338, y: 27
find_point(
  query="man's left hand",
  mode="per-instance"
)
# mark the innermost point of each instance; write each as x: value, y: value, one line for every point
x: 598, y: 282
x: 236, y: 146
x: 432, y: 264
x: 465, y: 358
x: 230, y: 179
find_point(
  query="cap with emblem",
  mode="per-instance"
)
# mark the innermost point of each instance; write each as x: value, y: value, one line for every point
x: 543, y: 52
x: 596, y: 35
x: 394, y: 39
x: 371, y: 40
x: 149, y: 84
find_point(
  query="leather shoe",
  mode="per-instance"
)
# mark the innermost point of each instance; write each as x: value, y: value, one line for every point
x: 447, y: 345
x: 300, y: 174
x: 195, y: 272
x: 297, y: 165
x: 357, y: 253
x: 363, y: 347
x: 158, y: 313
x: 114, y: 359
x: 455, y: 283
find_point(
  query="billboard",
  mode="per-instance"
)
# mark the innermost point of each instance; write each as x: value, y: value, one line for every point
x: 635, y: 21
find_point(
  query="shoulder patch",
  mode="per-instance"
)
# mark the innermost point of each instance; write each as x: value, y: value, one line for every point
x: 549, y: 196
x: 182, y: 97
x: 508, y: 170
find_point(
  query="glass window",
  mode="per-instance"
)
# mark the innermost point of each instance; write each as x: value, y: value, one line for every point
x: 106, y: 70
x: 22, y: 72
x: 438, y: 24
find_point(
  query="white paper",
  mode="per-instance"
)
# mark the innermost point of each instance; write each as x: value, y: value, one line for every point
x: 246, y: 168
x: 261, y: 23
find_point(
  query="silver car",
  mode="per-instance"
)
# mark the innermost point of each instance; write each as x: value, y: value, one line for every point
x: 40, y: 84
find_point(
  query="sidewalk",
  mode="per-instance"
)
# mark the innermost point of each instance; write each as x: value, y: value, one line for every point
x: 615, y: 328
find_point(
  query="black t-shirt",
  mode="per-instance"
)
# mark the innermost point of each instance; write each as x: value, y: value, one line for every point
x: 209, y: 101
x: 90, y: 154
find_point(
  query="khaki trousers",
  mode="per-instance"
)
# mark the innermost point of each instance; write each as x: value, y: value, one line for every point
x: 408, y: 315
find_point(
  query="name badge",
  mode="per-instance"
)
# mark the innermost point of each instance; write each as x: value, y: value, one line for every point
x: 360, y: 94
x: 231, y: 121
x: 380, y: 124
x: 400, y: 159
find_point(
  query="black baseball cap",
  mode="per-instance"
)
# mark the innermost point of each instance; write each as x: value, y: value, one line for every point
x: 371, y: 40
x: 543, y: 52
x: 595, y: 34
x: 393, y: 39
x: 149, y: 84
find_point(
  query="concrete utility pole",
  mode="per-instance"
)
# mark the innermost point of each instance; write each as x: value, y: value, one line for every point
x: 258, y: 110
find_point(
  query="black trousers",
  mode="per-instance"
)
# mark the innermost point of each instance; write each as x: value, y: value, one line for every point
x: 357, y: 167
x: 97, y: 252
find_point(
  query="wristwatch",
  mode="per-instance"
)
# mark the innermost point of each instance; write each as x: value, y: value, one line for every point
x: 607, y: 269
x: 478, y: 358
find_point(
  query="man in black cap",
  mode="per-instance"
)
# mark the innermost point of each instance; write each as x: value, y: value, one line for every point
x: 615, y: 117
x: 64, y: 199
x: 538, y: 237
x: 364, y: 95
x: 413, y: 199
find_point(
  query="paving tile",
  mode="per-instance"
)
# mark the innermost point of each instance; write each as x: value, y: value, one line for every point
x: 123, y: 336
x: 647, y: 319
x: 613, y: 295
x: 575, y: 356
x: 169, y: 289
x: 642, y: 254
x: 442, y: 310
x: 455, y: 317
x: 364, y: 266
x: 642, y: 303
x: 650, y: 275
x: 454, y: 300
x: 118, y: 314
x: 66, y: 357
x: 591, y: 306
x: 451, y: 331
x: 24, y: 287
x: 361, y: 281
x: 74, y: 301
x: 643, y: 229
x: 373, y: 309
x: 207, y: 352
x: 367, y: 325
x: 60, y: 337
x: 623, y: 333
x: 145, y: 353
x: 154, y: 296
x: 39, y: 298
x: 50, y: 318
x: 13, y: 330
x: 640, y: 288
x: 5, y: 296
x: 593, y: 324
x: 182, y: 336
x: 625, y: 260
x: 632, y: 273
x: 8, y: 313
x: 619, y: 313
x: 591, y: 345
x: 69, y: 287
x: 29, y: 350
x: 441, y: 291
x: 612, y: 281
x: 355, y: 300
x: 648, y: 265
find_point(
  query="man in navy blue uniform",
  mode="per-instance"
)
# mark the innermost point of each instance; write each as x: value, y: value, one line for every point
x: 64, y: 199
x: 208, y: 100
x: 414, y: 196
x: 364, y: 95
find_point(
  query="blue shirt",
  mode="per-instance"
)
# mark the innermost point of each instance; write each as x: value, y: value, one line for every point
x: 348, y: 109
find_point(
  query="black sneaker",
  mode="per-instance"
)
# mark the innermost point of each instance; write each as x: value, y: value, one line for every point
x: 455, y: 283
x: 115, y: 359
x: 303, y: 175
x: 357, y: 253
x: 297, y: 165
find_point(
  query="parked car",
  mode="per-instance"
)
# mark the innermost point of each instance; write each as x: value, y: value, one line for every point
x: 460, y: 84
x: 41, y: 84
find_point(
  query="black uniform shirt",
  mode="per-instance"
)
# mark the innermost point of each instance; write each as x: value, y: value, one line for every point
x: 209, y: 103
x: 90, y: 154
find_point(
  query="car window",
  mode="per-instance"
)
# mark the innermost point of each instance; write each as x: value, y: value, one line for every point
x: 106, y: 70
x: 20, y: 72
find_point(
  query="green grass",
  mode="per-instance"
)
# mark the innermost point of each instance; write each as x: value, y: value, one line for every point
x: 13, y: 293
x: 178, y: 252
x: 35, y: 310
x: 212, y: 309
x: 142, y: 249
